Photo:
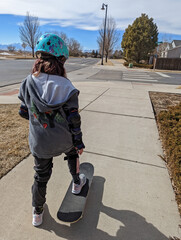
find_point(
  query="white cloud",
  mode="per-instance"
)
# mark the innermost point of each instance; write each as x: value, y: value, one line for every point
x: 44, y: 22
x: 87, y: 14
x: 20, y: 23
x: 89, y: 28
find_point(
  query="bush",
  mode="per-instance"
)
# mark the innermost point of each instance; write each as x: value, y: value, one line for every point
x: 149, y: 66
x: 126, y: 64
x: 140, y: 65
x: 127, y: 59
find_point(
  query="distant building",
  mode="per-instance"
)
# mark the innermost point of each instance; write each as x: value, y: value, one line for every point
x: 176, y: 43
x: 172, y: 50
x: 165, y: 47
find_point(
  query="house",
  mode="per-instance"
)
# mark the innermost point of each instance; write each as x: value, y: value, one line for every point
x: 163, y: 49
x: 175, y: 52
x: 176, y: 43
x: 171, y: 50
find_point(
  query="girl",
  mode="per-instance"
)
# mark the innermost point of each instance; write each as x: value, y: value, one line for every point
x: 50, y: 102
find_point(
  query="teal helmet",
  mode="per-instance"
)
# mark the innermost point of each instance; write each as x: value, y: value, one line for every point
x: 52, y: 44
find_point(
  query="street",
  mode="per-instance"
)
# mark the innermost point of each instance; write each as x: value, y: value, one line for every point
x: 135, y: 75
x: 14, y: 71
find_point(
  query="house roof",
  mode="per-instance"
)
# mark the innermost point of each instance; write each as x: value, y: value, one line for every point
x: 177, y: 42
x: 178, y: 47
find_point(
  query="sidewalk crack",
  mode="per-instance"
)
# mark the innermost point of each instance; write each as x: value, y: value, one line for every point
x: 120, y: 114
x: 94, y: 99
x: 126, y: 160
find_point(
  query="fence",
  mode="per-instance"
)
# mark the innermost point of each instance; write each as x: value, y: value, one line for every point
x: 168, y: 63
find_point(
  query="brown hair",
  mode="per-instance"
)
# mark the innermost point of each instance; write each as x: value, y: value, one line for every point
x: 49, y: 65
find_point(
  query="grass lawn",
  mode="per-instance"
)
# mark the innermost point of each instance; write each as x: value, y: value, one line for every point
x: 13, y: 138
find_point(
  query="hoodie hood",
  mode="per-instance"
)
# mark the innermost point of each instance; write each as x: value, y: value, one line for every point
x: 47, y: 92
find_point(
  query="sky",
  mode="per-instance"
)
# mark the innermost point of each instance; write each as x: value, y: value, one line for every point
x: 81, y: 19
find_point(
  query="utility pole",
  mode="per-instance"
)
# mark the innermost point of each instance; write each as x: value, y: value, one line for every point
x: 104, y: 5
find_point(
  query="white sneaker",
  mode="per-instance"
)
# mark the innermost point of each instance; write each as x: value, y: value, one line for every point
x: 76, y: 188
x: 37, y: 218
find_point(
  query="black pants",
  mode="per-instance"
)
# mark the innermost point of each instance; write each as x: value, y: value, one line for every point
x: 43, y: 171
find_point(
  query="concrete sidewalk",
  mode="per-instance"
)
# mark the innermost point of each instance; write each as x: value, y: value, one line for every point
x: 131, y: 197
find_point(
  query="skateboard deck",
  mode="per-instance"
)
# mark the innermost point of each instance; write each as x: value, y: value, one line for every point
x: 72, y: 207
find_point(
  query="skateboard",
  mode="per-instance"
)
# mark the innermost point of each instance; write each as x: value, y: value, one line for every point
x: 72, y: 207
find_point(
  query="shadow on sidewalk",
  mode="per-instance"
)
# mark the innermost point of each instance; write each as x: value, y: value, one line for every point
x: 135, y: 226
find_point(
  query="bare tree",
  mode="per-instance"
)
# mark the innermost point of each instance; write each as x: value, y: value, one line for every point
x: 24, y: 45
x: 74, y: 47
x: 63, y: 36
x: 161, y: 49
x: 11, y: 48
x: 111, y: 37
x: 29, y: 31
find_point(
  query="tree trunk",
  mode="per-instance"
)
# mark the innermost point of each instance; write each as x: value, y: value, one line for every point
x: 33, y: 52
x: 138, y: 57
x: 106, y: 57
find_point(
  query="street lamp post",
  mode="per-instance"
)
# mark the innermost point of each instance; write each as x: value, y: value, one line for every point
x: 104, y: 5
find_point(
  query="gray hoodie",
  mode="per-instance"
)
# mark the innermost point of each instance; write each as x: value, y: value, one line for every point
x: 47, y: 97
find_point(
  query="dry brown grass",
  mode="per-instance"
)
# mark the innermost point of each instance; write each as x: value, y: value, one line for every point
x: 119, y: 60
x: 169, y: 123
x: 167, y: 107
x: 13, y: 138
x: 19, y: 57
x: 108, y: 63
